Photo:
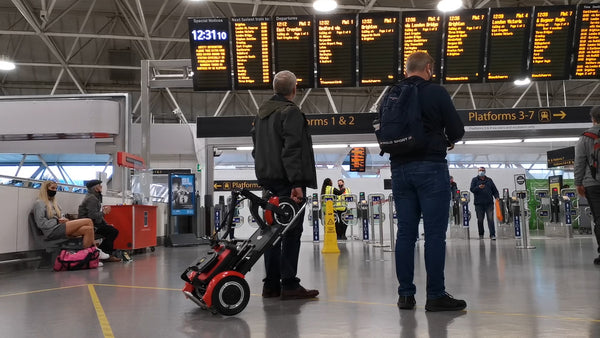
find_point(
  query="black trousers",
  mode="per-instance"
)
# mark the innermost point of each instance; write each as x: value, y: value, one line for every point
x: 281, y: 260
x: 340, y: 226
x: 592, y: 194
x: 109, y: 233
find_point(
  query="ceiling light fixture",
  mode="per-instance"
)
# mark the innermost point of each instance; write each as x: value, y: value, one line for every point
x: 522, y: 82
x: 6, y: 64
x: 518, y: 140
x: 325, y: 5
x: 449, y: 5
x: 329, y: 146
x: 366, y: 145
x: 551, y: 139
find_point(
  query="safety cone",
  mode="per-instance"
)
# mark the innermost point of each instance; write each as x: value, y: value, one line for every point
x: 330, y: 244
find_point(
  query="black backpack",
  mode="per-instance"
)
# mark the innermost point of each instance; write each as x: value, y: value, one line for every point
x: 399, y: 126
x: 595, y: 153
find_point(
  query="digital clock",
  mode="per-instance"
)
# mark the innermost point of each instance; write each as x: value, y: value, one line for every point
x: 208, y: 35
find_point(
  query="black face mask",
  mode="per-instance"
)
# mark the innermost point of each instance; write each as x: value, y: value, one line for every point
x: 51, y: 193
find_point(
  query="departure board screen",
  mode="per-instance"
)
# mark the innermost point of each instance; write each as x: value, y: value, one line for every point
x: 294, y: 48
x: 422, y: 33
x: 508, y: 43
x: 465, y: 45
x: 252, y: 52
x: 552, y: 41
x: 336, y: 60
x: 587, y: 60
x: 378, y: 48
x: 209, y: 44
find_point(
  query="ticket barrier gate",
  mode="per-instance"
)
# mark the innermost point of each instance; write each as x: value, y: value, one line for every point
x: 461, y: 230
x: 585, y: 216
x: 571, y: 195
x: 350, y: 215
x: 376, y: 218
x: 363, y: 212
x: 561, y: 218
x: 542, y: 211
x: 505, y: 228
x: 393, y: 223
x: 521, y: 220
x: 314, y: 215
x: 237, y: 220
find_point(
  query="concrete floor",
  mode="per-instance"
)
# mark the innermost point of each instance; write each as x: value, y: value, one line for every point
x: 550, y: 291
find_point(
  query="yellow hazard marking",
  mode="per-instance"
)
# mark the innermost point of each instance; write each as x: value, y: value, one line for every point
x: 106, y: 330
x: 43, y: 290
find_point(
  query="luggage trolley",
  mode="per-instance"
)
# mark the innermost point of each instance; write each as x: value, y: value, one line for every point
x: 216, y: 281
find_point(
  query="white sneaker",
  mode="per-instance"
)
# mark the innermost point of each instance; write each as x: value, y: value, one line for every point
x: 103, y: 255
x: 100, y: 264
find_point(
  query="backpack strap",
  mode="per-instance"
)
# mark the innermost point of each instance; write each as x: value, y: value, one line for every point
x: 593, y: 136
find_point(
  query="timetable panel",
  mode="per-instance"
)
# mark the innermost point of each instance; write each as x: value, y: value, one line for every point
x: 508, y: 43
x: 294, y: 47
x: 209, y: 44
x: 422, y: 33
x: 336, y: 58
x: 252, y: 52
x: 587, y: 59
x: 465, y: 45
x: 378, y: 48
x: 552, y: 42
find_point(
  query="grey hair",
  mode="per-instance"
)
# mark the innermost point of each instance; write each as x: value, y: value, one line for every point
x: 417, y: 62
x: 595, y: 114
x: 284, y: 83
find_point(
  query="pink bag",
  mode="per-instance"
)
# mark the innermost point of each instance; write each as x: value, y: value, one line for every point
x: 77, y: 260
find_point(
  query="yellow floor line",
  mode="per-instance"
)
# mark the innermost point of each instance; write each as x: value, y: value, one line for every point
x: 106, y: 329
x: 137, y: 287
x: 44, y: 290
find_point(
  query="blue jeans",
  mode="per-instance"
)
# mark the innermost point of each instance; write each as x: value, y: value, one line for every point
x: 421, y: 188
x: 486, y: 210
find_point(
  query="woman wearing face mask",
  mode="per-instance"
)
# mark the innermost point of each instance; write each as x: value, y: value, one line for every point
x: 49, y: 219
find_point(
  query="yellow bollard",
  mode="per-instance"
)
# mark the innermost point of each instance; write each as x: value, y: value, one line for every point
x: 330, y: 239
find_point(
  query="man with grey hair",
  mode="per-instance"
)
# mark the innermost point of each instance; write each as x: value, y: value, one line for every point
x: 284, y: 164
x: 587, y: 180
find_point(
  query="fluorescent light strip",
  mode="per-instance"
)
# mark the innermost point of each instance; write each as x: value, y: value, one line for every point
x: 552, y: 139
x: 368, y: 145
x: 329, y: 146
x: 494, y: 141
x: 244, y: 148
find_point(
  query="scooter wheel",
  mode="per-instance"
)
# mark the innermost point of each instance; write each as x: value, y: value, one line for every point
x: 289, y: 206
x: 231, y: 295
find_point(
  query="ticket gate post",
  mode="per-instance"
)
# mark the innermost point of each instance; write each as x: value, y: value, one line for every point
x: 521, y: 220
x: 542, y: 211
x: 220, y: 209
x: 350, y: 216
x: 585, y: 216
x: 377, y: 217
x: 560, y: 224
x: 393, y: 222
x: 505, y: 228
x: 363, y: 209
x: 461, y: 230
x: 571, y: 195
x: 314, y: 216
x: 237, y: 221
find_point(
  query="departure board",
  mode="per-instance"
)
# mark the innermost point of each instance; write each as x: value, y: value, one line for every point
x: 294, y: 48
x: 587, y: 59
x: 252, y: 52
x: 552, y: 42
x: 378, y: 48
x: 422, y: 33
x: 209, y: 44
x: 508, y: 43
x: 336, y: 60
x: 465, y: 45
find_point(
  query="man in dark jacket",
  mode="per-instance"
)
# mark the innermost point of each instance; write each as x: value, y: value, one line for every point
x: 484, y: 192
x: 284, y: 164
x: 91, y: 207
x: 420, y: 182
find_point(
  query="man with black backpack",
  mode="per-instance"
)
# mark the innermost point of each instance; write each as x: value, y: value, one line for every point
x: 417, y: 124
x: 587, y: 182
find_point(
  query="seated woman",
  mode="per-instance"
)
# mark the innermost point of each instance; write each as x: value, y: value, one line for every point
x: 49, y: 219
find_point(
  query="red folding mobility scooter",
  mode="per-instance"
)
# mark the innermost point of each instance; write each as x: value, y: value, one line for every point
x: 216, y: 281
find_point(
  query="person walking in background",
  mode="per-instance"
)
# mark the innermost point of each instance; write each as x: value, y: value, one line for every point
x: 484, y: 192
x: 587, y: 181
x: 420, y: 181
x: 91, y: 207
x: 284, y: 163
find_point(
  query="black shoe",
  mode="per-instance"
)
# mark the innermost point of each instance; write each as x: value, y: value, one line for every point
x: 298, y: 293
x: 271, y: 292
x: 493, y: 238
x: 406, y: 302
x: 445, y: 303
x: 597, y: 261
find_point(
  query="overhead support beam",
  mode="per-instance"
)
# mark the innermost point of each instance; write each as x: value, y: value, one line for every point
x: 304, y: 97
x: 222, y: 104
x: 590, y: 93
x: 456, y: 91
x: 375, y: 106
x: 96, y: 36
x: 331, y: 102
x: 471, y: 96
x: 539, y: 97
x: 522, y: 95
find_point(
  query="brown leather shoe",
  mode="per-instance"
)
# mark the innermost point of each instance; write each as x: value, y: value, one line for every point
x: 112, y: 259
x: 299, y: 293
x: 271, y: 293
